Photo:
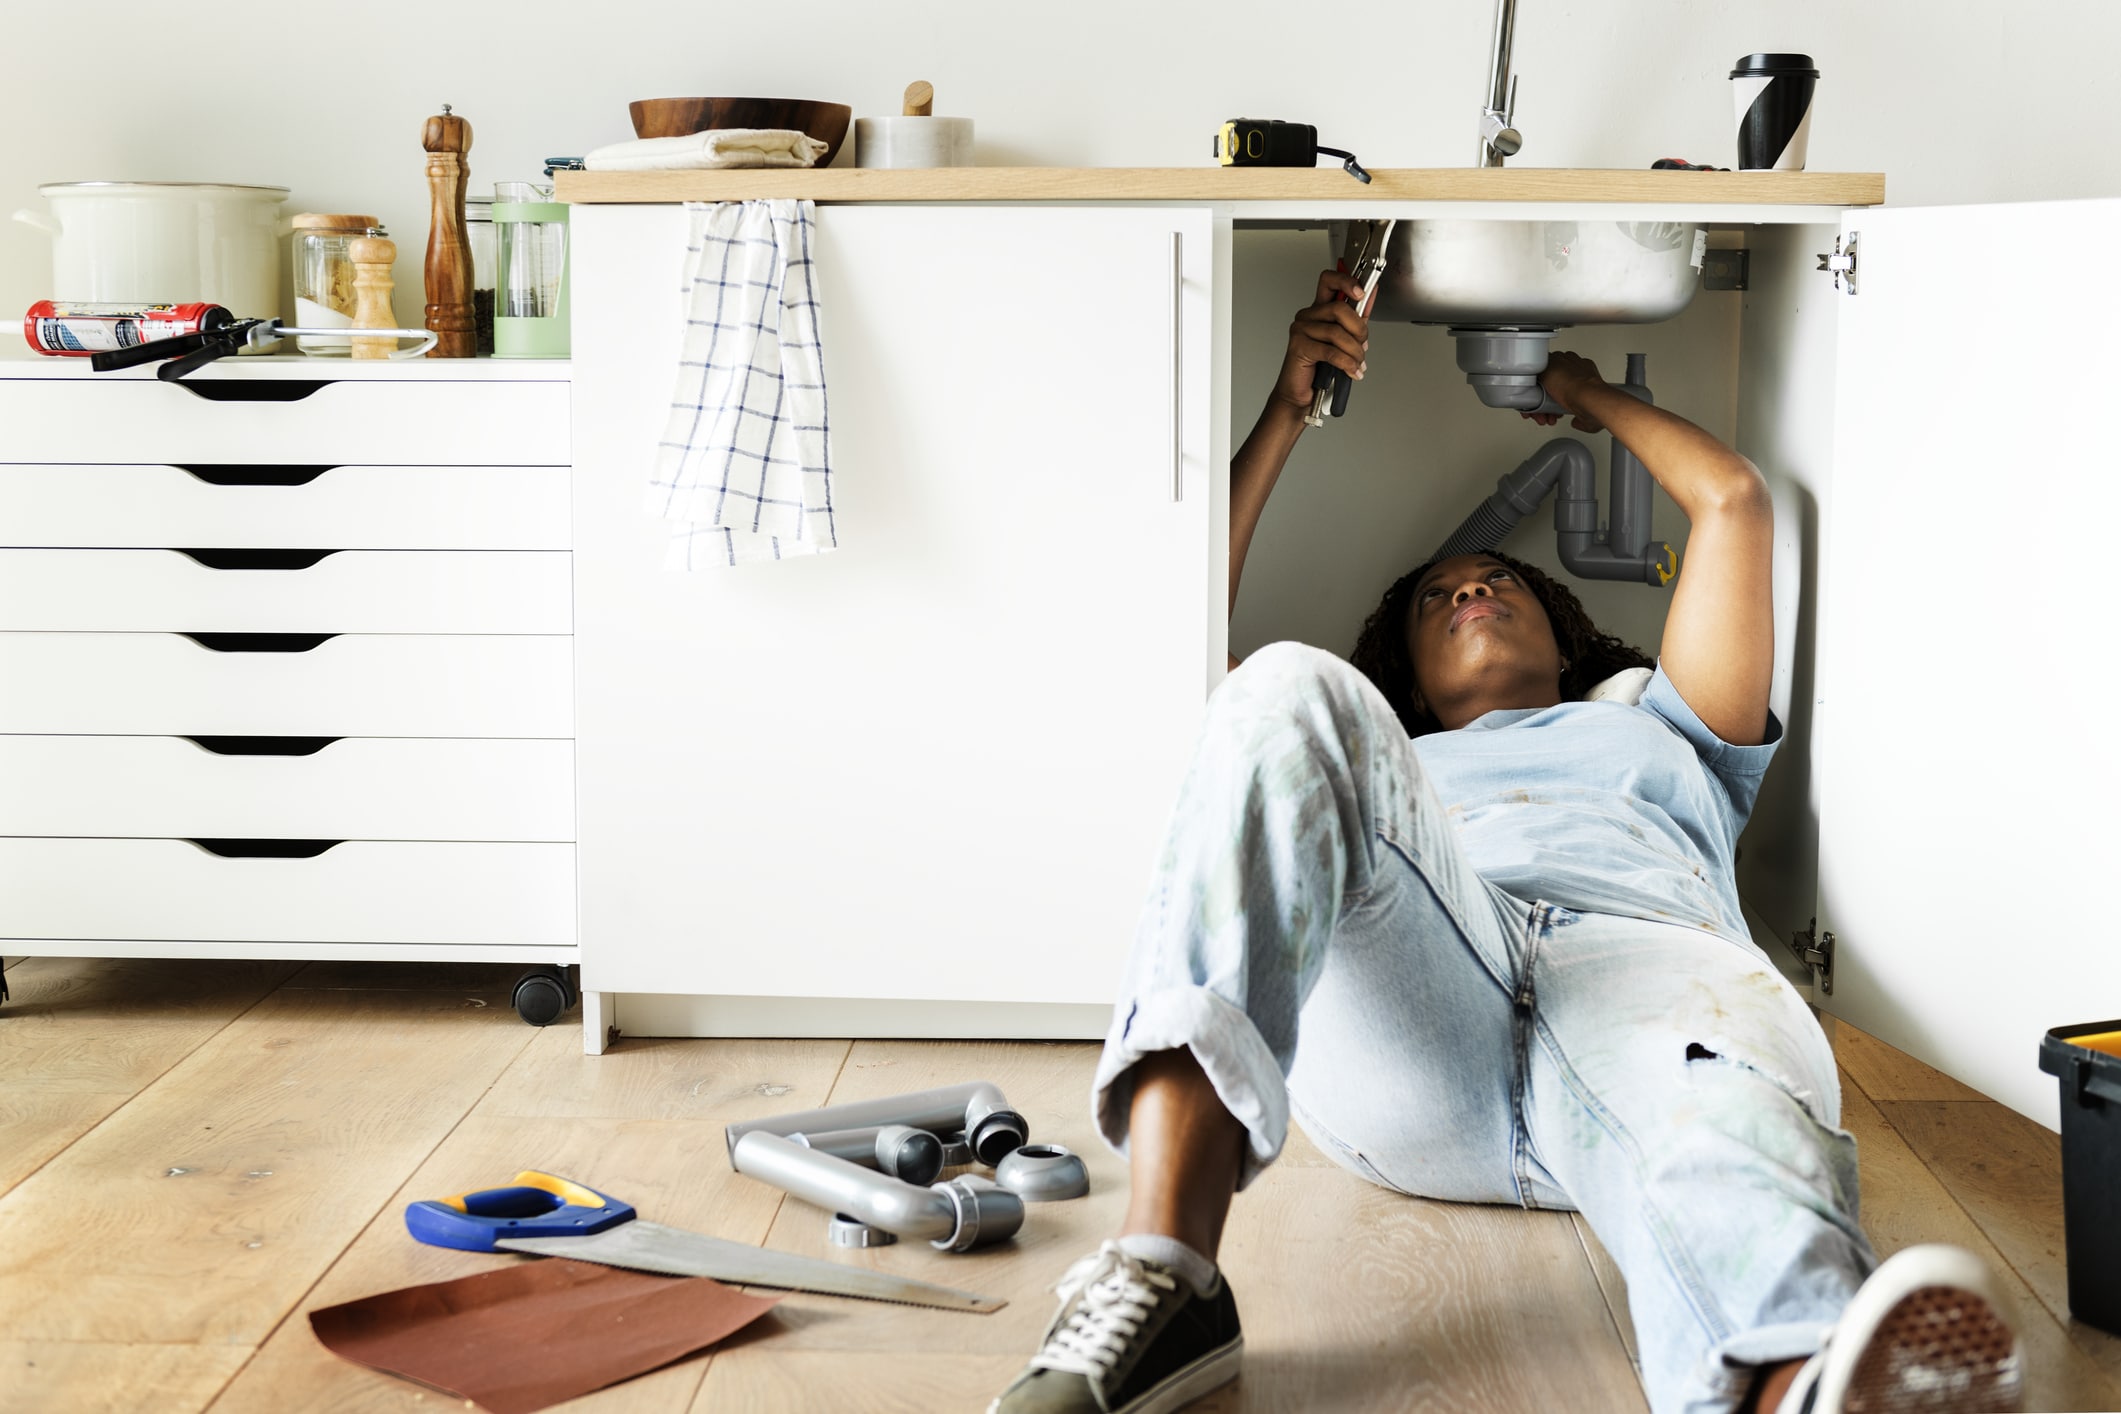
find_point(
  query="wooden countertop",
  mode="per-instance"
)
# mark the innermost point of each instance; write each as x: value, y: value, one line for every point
x: 1205, y: 184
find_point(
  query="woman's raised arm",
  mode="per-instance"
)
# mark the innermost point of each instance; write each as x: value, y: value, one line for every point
x: 1328, y: 330
x: 1719, y: 638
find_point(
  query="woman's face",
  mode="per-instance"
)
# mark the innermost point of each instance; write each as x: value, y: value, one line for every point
x: 1480, y: 640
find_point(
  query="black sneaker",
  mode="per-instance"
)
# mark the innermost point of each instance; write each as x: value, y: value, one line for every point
x: 1131, y: 1337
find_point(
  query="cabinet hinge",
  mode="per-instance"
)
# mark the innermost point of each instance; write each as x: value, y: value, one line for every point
x: 1842, y: 262
x: 1816, y: 951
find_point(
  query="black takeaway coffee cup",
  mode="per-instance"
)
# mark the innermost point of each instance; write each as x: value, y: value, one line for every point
x: 1773, y: 97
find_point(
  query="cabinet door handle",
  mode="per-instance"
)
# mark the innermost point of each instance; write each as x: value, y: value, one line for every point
x: 222, y: 474
x: 262, y: 745
x: 256, y: 559
x: 1178, y: 367
x: 259, y: 642
x: 265, y: 849
x: 251, y: 390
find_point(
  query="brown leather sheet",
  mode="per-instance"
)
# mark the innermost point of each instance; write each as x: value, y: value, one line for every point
x: 535, y: 1332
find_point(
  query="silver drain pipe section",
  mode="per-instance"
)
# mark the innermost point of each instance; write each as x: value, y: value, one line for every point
x: 978, y: 1109
x: 964, y: 1213
x: 912, y: 1155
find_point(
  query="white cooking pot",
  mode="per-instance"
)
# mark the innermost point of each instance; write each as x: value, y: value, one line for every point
x: 146, y: 242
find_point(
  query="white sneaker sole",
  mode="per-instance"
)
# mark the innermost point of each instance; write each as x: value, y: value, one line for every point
x: 1182, y: 1386
x: 1938, y: 1341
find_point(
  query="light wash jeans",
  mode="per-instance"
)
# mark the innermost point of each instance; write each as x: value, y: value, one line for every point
x: 1318, y: 940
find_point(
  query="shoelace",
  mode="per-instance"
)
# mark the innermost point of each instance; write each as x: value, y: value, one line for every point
x: 1107, y: 1296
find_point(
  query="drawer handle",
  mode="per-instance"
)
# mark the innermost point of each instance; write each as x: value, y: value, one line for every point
x: 256, y: 559
x: 221, y: 474
x: 265, y: 849
x: 262, y: 745
x: 259, y: 642
x: 251, y: 390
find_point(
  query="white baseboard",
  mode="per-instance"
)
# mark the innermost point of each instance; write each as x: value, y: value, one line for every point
x: 670, y: 1014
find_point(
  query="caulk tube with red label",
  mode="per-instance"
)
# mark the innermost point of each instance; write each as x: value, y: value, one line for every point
x: 76, y: 328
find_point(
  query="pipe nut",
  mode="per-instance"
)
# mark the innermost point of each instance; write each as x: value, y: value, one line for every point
x: 986, y: 1213
x: 843, y: 1231
x: 1044, y: 1173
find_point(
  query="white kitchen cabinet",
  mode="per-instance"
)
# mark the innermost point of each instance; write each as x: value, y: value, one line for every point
x: 286, y: 676
x: 930, y: 768
x: 1963, y: 762
x: 777, y: 761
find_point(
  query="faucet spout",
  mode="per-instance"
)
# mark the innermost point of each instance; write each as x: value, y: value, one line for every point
x: 1498, y: 137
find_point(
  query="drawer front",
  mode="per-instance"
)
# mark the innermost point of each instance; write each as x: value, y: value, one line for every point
x: 162, y: 684
x: 355, y: 788
x: 396, y: 423
x: 349, y: 591
x: 361, y: 891
x: 271, y: 507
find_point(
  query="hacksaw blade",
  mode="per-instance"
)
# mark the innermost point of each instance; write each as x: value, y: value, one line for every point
x: 652, y: 1247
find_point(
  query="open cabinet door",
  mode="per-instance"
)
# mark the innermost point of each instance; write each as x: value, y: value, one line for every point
x: 1968, y: 769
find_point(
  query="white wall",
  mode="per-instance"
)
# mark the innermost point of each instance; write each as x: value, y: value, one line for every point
x: 1956, y: 100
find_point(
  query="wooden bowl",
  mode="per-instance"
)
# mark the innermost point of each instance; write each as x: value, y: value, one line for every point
x: 680, y: 117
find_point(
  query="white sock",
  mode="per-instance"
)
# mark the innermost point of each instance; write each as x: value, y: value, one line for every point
x: 1199, y: 1272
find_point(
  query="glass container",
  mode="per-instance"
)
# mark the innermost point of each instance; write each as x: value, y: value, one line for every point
x: 324, y: 278
x: 478, y: 223
x: 530, y: 272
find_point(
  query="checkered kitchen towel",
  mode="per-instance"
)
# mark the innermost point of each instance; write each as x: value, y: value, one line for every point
x: 744, y: 466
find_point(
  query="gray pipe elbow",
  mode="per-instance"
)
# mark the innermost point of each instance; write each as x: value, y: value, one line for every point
x: 966, y: 1212
x: 1584, y: 557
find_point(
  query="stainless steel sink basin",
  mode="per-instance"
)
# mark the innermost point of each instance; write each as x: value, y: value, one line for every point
x: 1537, y: 274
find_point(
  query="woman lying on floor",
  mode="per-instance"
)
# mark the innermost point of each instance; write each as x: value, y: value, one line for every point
x: 1481, y: 938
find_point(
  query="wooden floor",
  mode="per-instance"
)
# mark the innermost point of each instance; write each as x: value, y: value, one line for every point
x: 194, y: 1154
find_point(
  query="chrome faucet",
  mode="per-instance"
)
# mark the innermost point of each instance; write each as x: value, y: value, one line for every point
x: 1497, y: 138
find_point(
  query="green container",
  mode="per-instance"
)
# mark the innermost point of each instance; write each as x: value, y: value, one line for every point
x: 530, y: 297
x: 2087, y: 1060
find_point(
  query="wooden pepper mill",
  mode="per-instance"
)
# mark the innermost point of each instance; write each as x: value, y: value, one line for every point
x: 448, y: 272
x: 372, y: 258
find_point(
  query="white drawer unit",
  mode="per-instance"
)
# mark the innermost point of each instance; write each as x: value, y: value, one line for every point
x: 168, y: 684
x: 286, y: 591
x: 286, y: 666
x: 344, y: 788
x: 260, y: 891
x: 120, y: 419
x: 266, y: 506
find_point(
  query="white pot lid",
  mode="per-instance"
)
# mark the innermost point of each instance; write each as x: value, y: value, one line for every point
x: 236, y: 189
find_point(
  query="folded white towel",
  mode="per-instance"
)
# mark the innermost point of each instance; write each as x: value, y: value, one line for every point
x: 717, y: 147
x: 745, y: 461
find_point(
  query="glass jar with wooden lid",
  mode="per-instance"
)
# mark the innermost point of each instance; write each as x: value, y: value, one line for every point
x: 324, y: 277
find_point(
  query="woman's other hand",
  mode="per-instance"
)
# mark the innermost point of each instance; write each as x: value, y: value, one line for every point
x: 1566, y: 378
x: 1329, y: 330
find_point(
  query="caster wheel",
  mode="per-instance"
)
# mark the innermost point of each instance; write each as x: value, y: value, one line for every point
x: 544, y: 994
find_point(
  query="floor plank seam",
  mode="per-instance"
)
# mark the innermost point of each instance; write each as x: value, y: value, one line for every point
x: 294, y: 1307
x: 1578, y: 1224
x: 140, y: 1094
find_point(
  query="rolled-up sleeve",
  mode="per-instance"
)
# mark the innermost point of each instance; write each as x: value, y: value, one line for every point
x: 1737, y: 768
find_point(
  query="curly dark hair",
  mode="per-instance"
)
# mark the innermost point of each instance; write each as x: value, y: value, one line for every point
x: 1381, y: 651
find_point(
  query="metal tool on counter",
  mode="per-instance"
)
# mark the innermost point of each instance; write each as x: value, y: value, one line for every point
x: 188, y: 353
x: 1270, y: 142
x: 1331, y: 386
x: 549, y: 1216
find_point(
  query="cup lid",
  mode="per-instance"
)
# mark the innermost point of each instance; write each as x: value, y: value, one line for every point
x: 1759, y: 65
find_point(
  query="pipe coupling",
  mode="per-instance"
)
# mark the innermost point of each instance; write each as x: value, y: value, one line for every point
x: 985, y: 1212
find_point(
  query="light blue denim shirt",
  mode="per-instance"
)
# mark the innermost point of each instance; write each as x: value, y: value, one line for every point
x: 1604, y: 807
